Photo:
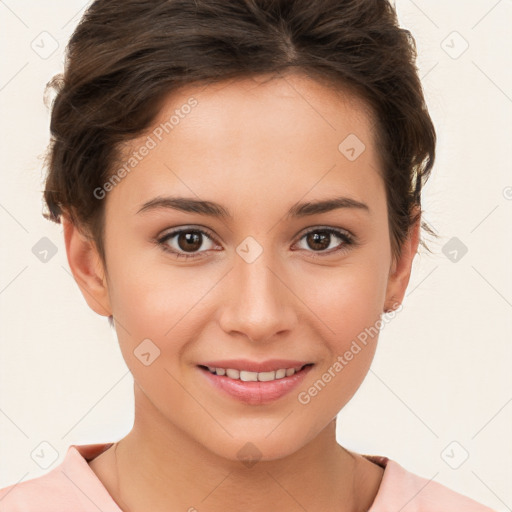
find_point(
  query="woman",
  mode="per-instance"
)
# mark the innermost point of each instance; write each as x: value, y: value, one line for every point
x: 240, y: 188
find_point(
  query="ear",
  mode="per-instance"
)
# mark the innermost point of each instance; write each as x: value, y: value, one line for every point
x: 400, y: 271
x: 87, y: 268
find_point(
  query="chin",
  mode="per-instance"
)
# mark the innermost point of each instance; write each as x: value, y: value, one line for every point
x: 264, y: 445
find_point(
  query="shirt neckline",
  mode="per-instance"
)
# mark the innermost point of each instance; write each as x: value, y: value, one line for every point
x: 76, y: 464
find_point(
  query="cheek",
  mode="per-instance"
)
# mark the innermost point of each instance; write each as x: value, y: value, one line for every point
x: 350, y: 326
x: 349, y: 311
x: 162, y: 303
x: 347, y: 299
x: 334, y: 385
x: 147, y: 294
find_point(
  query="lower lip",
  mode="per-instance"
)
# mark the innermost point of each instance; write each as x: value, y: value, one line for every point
x: 256, y: 393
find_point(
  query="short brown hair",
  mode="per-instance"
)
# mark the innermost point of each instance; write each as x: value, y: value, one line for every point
x: 125, y: 56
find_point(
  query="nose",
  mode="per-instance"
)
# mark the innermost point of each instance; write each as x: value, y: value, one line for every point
x: 259, y: 302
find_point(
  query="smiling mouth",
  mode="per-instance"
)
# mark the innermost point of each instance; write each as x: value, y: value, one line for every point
x: 248, y: 376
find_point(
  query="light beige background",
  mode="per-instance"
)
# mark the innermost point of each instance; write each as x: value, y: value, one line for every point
x: 440, y: 387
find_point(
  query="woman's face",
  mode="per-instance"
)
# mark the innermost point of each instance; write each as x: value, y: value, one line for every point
x: 256, y: 287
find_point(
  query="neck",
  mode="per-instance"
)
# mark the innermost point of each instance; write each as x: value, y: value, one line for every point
x: 164, y: 469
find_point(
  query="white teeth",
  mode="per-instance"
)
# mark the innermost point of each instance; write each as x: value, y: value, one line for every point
x: 281, y: 373
x: 247, y: 376
x: 266, y: 376
x: 233, y: 374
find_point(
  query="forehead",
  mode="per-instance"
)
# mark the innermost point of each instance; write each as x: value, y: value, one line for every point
x: 265, y: 104
x: 288, y: 134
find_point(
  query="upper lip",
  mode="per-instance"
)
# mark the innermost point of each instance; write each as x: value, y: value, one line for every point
x: 256, y: 366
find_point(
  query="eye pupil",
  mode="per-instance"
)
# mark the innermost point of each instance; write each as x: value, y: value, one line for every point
x: 318, y: 239
x: 188, y: 238
x: 190, y: 241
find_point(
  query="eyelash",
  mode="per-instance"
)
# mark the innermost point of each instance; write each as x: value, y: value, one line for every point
x: 348, y: 239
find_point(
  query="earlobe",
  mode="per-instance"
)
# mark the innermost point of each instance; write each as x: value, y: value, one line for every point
x: 400, y: 271
x: 87, y: 268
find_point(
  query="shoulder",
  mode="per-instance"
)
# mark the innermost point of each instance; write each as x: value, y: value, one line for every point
x: 42, y: 493
x: 71, y: 485
x: 405, y: 491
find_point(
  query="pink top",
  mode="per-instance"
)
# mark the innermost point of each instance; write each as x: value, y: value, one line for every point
x: 72, y: 486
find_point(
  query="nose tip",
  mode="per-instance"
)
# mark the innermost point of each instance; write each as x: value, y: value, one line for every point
x: 261, y: 306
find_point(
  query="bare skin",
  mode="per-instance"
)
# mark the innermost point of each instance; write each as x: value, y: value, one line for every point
x: 357, y: 496
x: 257, y: 149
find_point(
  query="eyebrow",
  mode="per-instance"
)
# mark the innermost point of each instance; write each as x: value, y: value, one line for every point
x: 212, y: 209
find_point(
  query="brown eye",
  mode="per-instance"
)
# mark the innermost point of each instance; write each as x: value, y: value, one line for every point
x: 189, y: 241
x: 185, y: 243
x: 319, y: 240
